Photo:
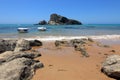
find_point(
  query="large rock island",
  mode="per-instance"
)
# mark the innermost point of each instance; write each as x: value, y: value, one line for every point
x: 56, y: 19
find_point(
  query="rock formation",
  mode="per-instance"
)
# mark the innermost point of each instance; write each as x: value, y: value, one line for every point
x: 22, y: 45
x: 35, y: 43
x: 78, y: 44
x: 7, y: 45
x: 111, y: 66
x: 18, y: 45
x: 61, y: 43
x: 18, y: 65
x: 56, y: 19
x: 43, y: 22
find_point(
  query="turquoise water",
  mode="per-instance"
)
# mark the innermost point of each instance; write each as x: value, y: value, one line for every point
x: 10, y: 30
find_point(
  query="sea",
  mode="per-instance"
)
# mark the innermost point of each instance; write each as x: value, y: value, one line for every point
x: 58, y: 32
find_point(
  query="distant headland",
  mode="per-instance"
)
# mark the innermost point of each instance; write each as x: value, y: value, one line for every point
x: 56, y: 19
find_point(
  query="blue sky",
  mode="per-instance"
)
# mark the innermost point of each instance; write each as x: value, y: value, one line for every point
x: 86, y: 11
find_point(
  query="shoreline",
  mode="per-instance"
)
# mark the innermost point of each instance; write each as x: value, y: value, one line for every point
x: 104, y: 39
x: 64, y: 63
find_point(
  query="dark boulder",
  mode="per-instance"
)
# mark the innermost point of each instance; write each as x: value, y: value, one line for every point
x: 56, y: 19
x: 35, y: 43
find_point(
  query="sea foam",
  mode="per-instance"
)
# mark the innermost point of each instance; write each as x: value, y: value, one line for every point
x: 53, y: 38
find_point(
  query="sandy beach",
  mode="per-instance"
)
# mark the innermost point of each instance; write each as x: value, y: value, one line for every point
x: 64, y: 63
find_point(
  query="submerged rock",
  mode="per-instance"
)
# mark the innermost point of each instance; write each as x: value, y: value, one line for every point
x: 111, y: 66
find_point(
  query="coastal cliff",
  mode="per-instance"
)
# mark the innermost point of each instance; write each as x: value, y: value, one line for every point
x: 56, y: 19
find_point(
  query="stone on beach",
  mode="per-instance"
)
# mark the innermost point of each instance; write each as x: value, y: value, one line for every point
x: 19, y: 66
x: 16, y: 64
x: 82, y: 50
x: 35, y: 43
x: 22, y: 45
x: 78, y: 41
x: 111, y: 66
x: 18, y: 45
x: 78, y: 44
x: 90, y: 39
x: 61, y: 43
x: 7, y: 45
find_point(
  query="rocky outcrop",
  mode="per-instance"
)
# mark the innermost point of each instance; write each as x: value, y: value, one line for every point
x: 18, y: 65
x: 7, y: 45
x: 61, y: 43
x: 43, y: 22
x: 56, y: 19
x: 78, y: 41
x: 78, y: 44
x: 111, y: 66
x: 18, y: 45
x: 22, y: 45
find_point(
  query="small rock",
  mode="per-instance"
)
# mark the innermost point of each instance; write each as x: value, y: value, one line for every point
x: 106, y: 46
x: 111, y: 66
x: 35, y: 43
x: 62, y: 43
x: 90, y: 39
x: 113, y: 51
x: 105, y: 54
x: 99, y: 53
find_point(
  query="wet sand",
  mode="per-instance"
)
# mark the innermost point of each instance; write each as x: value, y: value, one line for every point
x: 64, y: 63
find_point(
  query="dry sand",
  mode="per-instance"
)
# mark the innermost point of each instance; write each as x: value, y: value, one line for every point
x: 67, y: 64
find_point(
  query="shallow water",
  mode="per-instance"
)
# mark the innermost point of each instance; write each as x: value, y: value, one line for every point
x: 96, y: 31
